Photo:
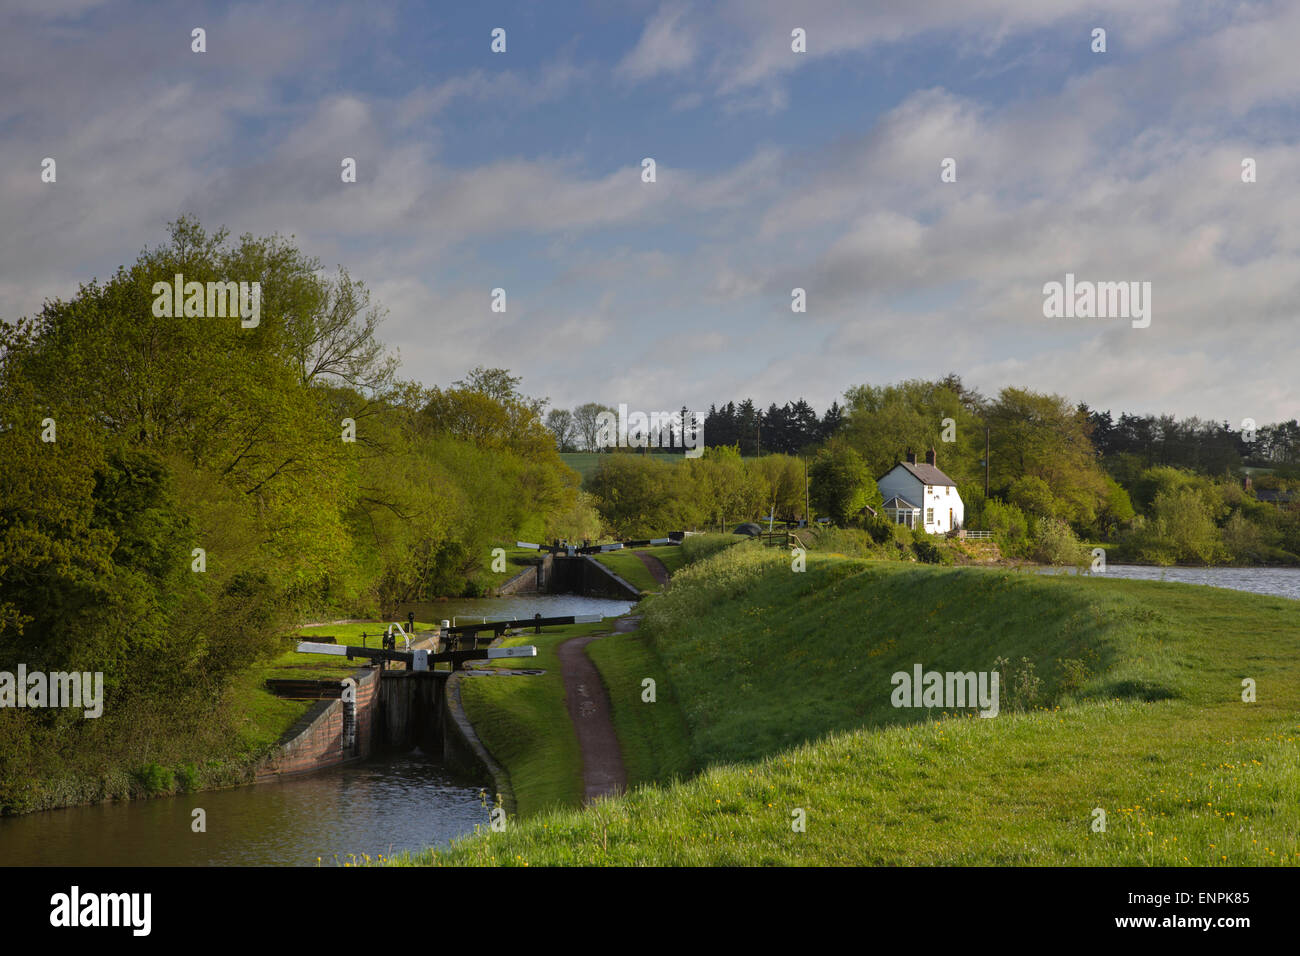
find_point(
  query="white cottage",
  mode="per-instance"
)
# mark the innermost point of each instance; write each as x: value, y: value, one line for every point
x: 921, y: 496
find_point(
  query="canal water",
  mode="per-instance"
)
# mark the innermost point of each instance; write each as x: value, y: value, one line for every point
x: 380, y: 807
x: 512, y: 606
x: 1284, y: 582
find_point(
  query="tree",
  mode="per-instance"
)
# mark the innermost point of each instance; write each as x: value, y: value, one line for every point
x: 490, y: 417
x: 1044, y: 437
x: 586, y: 423
x: 335, y: 339
x: 782, y: 476
x: 884, y: 423
x: 725, y: 489
x: 643, y: 495
x: 831, y: 422
x: 561, y: 423
x: 841, y: 483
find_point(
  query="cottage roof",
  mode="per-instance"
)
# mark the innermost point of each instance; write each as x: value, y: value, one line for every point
x: 926, y: 474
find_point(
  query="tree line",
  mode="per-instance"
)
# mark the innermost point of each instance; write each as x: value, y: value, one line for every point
x: 1156, y: 489
x: 788, y: 429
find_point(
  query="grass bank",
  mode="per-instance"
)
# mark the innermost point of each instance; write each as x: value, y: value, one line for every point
x: 1120, y: 696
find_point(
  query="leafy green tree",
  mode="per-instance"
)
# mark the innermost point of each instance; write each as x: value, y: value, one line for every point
x: 586, y: 422
x: 783, y: 476
x: 885, y: 423
x: 1045, y: 437
x: 841, y: 483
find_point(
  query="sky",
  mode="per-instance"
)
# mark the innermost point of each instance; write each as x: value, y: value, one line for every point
x: 774, y: 170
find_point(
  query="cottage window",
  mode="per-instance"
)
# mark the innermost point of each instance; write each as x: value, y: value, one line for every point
x: 929, y: 516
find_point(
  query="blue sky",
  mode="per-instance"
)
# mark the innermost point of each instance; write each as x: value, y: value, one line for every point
x: 775, y: 170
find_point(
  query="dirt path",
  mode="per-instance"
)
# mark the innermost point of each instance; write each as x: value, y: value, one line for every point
x: 603, y: 772
x: 654, y: 566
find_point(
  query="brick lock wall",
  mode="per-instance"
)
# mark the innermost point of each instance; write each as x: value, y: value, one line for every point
x: 316, y: 742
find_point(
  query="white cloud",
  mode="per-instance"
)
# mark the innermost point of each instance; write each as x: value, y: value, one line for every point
x: 667, y: 45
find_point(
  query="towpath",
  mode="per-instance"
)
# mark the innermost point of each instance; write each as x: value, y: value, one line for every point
x: 656, y: 567
x: 603, y: 772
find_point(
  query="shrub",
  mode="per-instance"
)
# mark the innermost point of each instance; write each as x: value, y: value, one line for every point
x: 187, y: 777
x: 154, y: 779
x: 847, y: 541
x: 1056, y: 544
x: 1010, y: 525
x: 929, y: 550
x: 1021, y: 685
x: 880, y: 528
x: 1074, y: 674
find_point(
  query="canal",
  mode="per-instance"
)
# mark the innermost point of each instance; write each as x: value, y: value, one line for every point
x: 379, y: 807
x: 1284, y: 582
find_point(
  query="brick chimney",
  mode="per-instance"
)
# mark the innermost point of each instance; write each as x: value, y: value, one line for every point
x: 931, y: 458
x: 911, y: 458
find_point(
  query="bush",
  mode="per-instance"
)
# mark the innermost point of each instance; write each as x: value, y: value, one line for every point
x: 187, y: 777
x: 1056, y: 544
x: 1022, y: 686
x: 928, y: 550
x: 1010, y: 525
x: 880, y: 528
x: 154, y: 779
x: 1181, y: 528
x: 847, y: 541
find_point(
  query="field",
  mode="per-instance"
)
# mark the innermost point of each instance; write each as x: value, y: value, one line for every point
x: 1119, y: 698
x: 585, y: 462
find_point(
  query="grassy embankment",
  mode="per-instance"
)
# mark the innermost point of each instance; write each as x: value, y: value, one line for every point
x: 1132, y: 705
x: 524, y: 722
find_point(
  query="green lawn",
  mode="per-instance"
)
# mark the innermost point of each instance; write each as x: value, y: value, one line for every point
x: 784, y: 687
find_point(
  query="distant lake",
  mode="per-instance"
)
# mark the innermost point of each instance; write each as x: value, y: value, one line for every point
x: 1284, y: 582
